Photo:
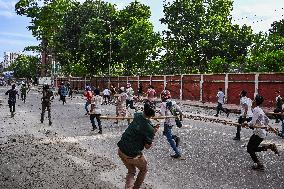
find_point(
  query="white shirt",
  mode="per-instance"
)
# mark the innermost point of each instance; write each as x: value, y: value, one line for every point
x: 245, y: 101
x: 129, y: 92
x: 164, y: 111
x: 96, y: 104
x: 221, y: 97
x: 259, y: 119
x: 106, y: 92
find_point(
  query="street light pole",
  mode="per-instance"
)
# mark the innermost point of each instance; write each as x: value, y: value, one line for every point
x: 109, y: 55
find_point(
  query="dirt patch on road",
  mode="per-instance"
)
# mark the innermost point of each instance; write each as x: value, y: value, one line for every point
x: 27, y: 162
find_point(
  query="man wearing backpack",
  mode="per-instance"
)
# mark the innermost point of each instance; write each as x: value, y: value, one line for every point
x: 170, y: 108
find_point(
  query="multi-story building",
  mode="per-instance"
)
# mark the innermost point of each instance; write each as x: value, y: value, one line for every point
x: 9, y: 58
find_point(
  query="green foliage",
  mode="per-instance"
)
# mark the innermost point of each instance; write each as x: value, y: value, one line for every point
x: 95, y: 38
x: 267, y: 54
x: 25, y: 66
x: 218, y: 65
x: 277, y: 28
x: 46, y: 18
x: 199, y: 31
x: 100, y: 37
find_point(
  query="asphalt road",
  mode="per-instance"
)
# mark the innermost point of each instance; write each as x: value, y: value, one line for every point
x: 211, y: 159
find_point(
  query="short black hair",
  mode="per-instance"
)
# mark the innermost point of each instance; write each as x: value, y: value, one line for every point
x: 258, y: 99
x: 220, y: 89
x: 149, y: 109
x: 243, y: 93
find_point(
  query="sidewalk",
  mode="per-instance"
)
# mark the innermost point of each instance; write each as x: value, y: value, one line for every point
x: 232, y: 107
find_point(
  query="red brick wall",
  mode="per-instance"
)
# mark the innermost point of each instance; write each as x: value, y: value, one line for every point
x: 237, y: 83
x: 268, y: 83
x: 191, y: 87
x: 174, y: 85
x: 158, y: 84
x: 211, y: 85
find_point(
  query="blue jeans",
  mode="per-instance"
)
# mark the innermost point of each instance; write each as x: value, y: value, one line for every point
x: 86, y: 106
x: 170, y: 138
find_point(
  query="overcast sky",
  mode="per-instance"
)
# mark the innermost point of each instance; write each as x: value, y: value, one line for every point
x: 14, y: 35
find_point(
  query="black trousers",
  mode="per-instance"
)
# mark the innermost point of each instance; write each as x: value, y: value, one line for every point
x: 12, y: 105
x: 241, y: 120
x: 45, y: 106
x: 63, y: 98
x: 106, y: 99
x: 220, y: 108
x: 23, y: 97
x: 253, y: 146
x: 277, y: 110
x: 130, y: 103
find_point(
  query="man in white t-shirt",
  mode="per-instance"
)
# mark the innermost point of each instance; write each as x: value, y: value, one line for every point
x: 106, y: 93
x: 221, y: 100
x: 246, y: 112
x: 130, y: 94
x: 259, y: 123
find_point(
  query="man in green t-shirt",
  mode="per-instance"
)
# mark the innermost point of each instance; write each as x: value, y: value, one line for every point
x: 139, y: 135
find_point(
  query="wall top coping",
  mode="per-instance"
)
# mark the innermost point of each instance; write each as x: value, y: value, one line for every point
x: 251, y: 73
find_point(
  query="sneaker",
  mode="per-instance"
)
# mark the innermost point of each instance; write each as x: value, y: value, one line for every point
x: 237, y: 138
x: 50, y: 123
x: 87, y: 113
x: 176, y: 156
x: 216, y: 115
x: 274, y: 149
x: 41, y: 121
x: 177, y: 140
x: 258, y: 167
x: 100, y: 132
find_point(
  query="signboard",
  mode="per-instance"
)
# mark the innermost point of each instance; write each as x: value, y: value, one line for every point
x: 43, y: 80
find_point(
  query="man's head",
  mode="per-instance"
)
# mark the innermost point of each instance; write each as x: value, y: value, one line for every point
x: 128, y: 85
x: 97, y: 92
x: 149, y: 109
x: 258, y: 99
x: 243, y: 93
x: 165, y: 95
x: 88, y: 88
x: 13, y: 86
x: 220, y: 89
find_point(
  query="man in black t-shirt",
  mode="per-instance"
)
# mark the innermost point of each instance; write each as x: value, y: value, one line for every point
x: 12, y: 99
x: 47, y: 96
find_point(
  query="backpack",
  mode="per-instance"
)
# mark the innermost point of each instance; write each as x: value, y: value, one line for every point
x: 169, y: 106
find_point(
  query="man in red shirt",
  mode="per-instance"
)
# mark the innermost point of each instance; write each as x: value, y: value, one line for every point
x: 89, y: 95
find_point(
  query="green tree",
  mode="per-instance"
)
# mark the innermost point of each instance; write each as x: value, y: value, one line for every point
x: 199, y: 31
x: 277, y: 28
x: 138, y: 41
x: 26, y: 66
